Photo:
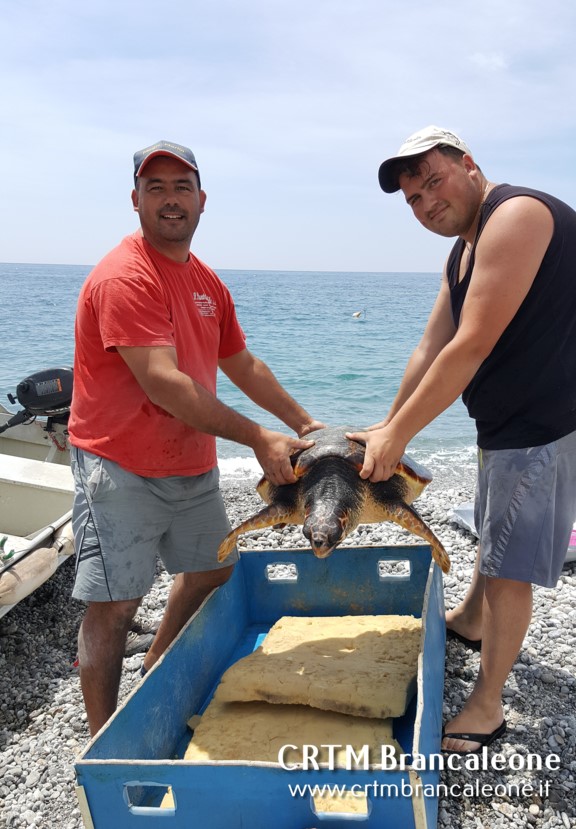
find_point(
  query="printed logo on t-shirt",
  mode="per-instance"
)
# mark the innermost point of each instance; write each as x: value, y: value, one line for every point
x: 205, y: 304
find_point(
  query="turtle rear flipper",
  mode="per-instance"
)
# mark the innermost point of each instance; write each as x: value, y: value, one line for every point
x: 267, y: 517
x: 407, y: 517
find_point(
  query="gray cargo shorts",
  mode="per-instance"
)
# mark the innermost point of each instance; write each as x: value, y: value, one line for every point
x: 524, y: 510
x: 122, y: 522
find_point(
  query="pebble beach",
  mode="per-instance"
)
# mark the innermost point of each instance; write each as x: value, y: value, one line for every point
x: 43, y: 724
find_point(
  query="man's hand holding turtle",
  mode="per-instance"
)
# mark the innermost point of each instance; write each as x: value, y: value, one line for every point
x: 273, y: 452
x: 311, y: 427
x: 383, y: 452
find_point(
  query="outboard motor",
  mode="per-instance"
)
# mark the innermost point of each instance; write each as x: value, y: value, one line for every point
x: 46, y: 393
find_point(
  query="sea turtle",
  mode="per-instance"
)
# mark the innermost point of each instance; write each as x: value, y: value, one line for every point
x: 330, y: 499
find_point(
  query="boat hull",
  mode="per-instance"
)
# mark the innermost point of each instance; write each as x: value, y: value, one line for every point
x: 36, y: 492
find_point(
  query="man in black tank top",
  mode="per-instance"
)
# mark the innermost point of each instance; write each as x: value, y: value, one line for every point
x: 502, y: 334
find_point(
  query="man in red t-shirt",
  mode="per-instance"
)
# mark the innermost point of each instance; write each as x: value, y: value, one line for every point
x: 153, y: 325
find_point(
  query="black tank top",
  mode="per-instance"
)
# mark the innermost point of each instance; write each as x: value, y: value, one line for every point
x: 524, y: 393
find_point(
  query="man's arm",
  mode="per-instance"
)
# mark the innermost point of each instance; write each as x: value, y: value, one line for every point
x: 508, y: 257
x: 156, y: 370
x: 256, y: 380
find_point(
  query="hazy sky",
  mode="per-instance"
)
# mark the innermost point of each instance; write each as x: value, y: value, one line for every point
x: 289, y: 105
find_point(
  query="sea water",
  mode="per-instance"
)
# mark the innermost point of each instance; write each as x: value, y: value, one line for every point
x: 338, y: 342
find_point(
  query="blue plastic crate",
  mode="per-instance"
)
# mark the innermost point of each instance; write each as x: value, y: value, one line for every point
x: 129, y: 766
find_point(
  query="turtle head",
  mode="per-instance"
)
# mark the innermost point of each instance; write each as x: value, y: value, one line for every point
x: 332, y: 496
x: 326, y: 530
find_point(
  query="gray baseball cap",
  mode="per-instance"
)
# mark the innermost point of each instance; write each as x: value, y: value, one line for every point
x: 416, y: 144
x: 169, y: 148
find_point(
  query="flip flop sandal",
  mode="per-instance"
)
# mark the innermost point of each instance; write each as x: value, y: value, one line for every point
x: 483, y: 739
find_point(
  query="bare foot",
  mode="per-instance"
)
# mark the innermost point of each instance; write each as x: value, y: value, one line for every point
x: 462, y: 623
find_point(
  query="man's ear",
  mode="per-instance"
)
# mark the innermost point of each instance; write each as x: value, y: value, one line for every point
x: 469, y: 163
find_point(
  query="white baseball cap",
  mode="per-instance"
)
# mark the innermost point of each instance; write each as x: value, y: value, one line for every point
x: 416, y: 144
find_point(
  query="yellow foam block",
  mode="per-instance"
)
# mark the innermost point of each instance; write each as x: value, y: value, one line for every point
x: 360, y: 665
x: 258, y: 732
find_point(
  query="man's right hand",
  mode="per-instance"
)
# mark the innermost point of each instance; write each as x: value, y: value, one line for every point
x: 273, y: 451
x: 383, y: 453
x: 379, y: 425
x: 312, y: 426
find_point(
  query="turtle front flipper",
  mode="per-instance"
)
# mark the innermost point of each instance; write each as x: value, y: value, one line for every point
x: 267, y: 517
x: 407, y: 517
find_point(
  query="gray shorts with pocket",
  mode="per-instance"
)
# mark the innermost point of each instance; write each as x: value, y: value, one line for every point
x: 122, y: 522
x: 524, y: 510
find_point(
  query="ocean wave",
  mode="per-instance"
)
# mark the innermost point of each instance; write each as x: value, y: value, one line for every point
x: 454, y: 456
x: 239, y: 469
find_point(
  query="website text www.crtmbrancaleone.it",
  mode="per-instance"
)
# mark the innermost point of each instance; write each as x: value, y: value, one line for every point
x: 478, y: 789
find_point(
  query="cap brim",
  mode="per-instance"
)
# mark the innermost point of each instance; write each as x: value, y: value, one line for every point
x: 387, y: 177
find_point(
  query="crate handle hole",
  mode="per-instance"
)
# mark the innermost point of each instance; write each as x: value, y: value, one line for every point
x: 394, y: 570
x: 281, y: 572
x: 150, y: 799
x: 345, y: 805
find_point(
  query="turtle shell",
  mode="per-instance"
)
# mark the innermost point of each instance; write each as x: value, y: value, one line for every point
x: 332, y: 442
x: 329, y: 443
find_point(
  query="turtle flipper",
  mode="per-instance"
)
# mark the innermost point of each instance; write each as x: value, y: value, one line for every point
x: 408, y: 518
x: 267, y: 517
x: 405, y: 515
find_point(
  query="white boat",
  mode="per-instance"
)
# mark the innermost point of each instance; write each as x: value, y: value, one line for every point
x: 36, y: 487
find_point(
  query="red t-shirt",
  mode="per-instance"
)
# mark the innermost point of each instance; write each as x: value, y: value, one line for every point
x: 137, y: 297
